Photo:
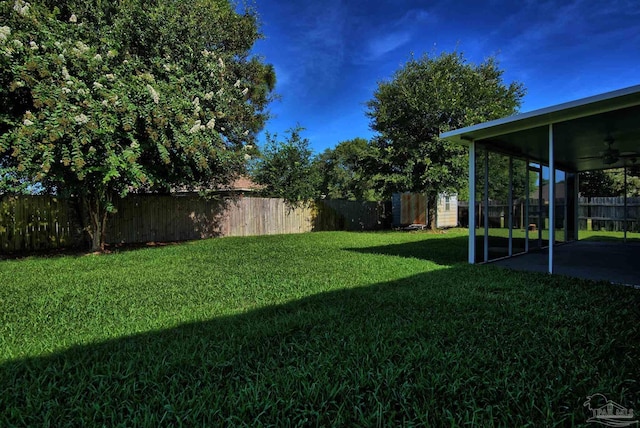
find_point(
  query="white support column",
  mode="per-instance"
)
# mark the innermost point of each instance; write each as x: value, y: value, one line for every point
x: 576, y: 206
x: 510, y: 203
x: 486, y: 205
x: 540, y: 212
x: 472, y: 202
x: 526, y: 210
x: 565, y: 221
x: 624, y: 221
x: 552, y: 198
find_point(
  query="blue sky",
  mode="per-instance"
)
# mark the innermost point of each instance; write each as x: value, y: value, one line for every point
x: 329, y: 55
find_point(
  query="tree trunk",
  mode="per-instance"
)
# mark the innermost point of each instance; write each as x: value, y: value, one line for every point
x: 97, y: 227
x: 432, y: 206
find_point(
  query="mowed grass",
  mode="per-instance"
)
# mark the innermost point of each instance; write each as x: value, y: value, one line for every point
x: 321, y: 329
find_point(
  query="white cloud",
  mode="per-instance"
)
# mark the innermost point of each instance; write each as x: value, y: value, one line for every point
x: 387, y: 43
x: 391, y: 34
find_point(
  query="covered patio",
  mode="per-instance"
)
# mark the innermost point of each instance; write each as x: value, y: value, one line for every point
x: 596, y: 261
x: 539, y: 155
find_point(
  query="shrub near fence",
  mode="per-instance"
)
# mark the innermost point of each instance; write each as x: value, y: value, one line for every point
x: 29, y: 223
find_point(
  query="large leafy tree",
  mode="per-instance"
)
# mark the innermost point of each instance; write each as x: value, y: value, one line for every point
x: 425, y: 97
x: 99, y: 99
x: 633, y: 180
x: 345, y: 171
x: 597, y: 183
x: 286, y: 169
x: 602, y: 183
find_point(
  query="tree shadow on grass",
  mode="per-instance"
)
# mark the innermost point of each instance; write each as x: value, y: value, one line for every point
x: 631, y: 238
x: 75, y: 252
x: 469, y: 344
x: 441, y: 251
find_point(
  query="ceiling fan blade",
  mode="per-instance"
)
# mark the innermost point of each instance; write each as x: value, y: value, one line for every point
x: 590, y: 157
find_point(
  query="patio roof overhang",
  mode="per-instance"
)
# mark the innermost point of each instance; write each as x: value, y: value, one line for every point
x: 579, y: 131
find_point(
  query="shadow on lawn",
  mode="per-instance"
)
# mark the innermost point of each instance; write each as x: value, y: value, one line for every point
x: 445, y: 347
x: 631, y: 237
x: 447, y: 251
x: 76, y: 252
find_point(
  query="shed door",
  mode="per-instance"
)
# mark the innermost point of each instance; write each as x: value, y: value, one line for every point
x: 413, y: 208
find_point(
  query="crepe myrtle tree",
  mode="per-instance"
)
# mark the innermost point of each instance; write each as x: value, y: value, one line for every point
x: 425, y: 97
x: 99, y: 99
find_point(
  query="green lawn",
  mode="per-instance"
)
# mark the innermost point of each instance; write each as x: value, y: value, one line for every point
x: 320, y: 329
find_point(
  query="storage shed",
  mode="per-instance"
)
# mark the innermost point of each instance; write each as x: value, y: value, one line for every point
x: 411, y: 208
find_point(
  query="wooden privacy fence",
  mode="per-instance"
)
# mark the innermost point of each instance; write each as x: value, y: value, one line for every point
x: 499, y: 213
x: 609, y: 214
x: 37, y: 222
x: 29, y: 223
x: 593, y: 213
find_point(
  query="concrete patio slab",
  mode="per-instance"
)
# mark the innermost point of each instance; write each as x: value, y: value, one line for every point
x: 614, y: 262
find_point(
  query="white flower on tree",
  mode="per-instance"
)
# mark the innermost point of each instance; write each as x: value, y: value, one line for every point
x: 196, y: 127
x: 81, y: 119
x: 82, y: 47
x: 22, y: 7
x: 4, y: 33
x: 154, y: 95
